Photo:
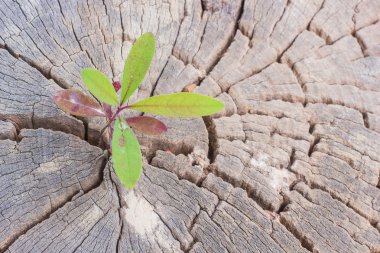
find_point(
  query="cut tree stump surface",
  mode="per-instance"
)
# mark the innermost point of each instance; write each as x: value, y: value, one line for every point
x: 292, y: 164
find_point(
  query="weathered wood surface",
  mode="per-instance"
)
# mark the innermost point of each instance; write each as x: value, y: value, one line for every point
x: 291, y: 165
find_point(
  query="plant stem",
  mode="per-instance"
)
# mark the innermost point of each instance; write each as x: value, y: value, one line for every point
x: 119, y: 109
x: 124, y: 107
x: 104, y: 128
x: 109, y: 124
x: 110, y: 137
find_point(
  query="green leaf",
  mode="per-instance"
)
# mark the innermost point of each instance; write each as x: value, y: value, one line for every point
x: 126, y: 153
x: 137, y: 64
x: 183, y: 104
x: 99, y: 85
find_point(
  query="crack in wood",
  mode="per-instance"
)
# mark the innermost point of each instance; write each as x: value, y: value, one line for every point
x: 43, y: 218
x: 306, y: 243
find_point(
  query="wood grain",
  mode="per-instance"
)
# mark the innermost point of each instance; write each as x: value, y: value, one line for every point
x: 291, y: 164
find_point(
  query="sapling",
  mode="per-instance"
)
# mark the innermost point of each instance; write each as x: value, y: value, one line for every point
x: 123, y: 144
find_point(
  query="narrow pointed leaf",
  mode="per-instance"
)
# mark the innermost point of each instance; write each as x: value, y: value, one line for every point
x: 137, y: 64
x: 183, y: 104
x: 126, y: 153
x: 107, y: 110
x: 100, y: 86
x: 77, y: 103
x: 147, y: 125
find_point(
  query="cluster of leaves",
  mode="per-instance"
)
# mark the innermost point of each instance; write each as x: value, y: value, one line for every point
x: 123, y: 143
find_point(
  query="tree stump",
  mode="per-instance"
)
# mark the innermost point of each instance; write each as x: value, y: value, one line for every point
x: 292, y: 163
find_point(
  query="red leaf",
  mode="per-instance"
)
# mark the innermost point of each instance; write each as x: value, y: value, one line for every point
x: 116, y: 85
x: 107, y: 109
x: 77, y: 103
x: 147, y: 125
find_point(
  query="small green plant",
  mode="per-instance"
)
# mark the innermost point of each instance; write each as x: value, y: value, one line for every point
x: 123, y: 144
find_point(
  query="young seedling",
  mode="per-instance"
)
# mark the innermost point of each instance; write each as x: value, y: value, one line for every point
x: 124, y: 146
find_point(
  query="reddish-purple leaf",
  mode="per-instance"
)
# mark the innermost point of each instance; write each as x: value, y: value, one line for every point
x: 116, y: 85
x: 147, y: 125
x: 77, y: 103
x: 107, y: 109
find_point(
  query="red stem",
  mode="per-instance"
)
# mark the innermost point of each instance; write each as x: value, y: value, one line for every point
x: 112, y: 119
x: 119, y: 109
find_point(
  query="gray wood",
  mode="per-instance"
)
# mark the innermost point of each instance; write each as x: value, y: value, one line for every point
x: 39, y: 174
x: 26, y: 98
x: 291, y: 164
